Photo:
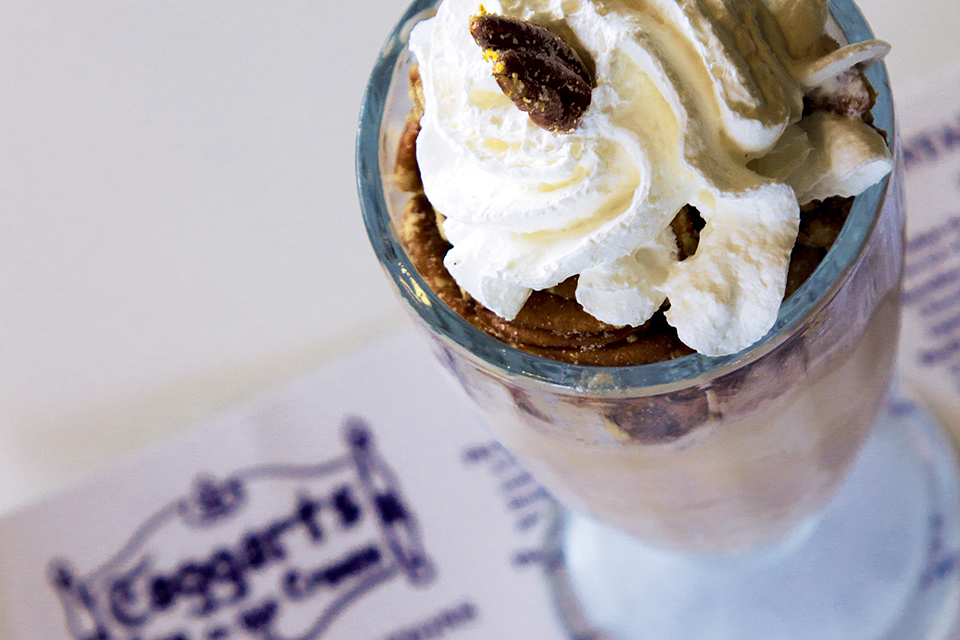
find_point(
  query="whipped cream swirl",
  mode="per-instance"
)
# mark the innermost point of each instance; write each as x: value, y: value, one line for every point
x: 695, y: 103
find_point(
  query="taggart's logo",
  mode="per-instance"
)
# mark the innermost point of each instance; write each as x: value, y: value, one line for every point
x: 274, y: 552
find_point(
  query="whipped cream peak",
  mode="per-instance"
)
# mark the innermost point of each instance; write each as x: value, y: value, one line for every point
x: 696, y: 104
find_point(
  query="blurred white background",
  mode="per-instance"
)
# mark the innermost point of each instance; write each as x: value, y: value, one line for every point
x: 180, y: 228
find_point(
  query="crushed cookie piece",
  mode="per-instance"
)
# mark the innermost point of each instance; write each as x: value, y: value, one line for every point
x: 406, y: 171
x: 687, y: 225
x: 849, y: 94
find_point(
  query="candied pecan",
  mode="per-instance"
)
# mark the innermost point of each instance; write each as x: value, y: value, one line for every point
x: 543, y: 75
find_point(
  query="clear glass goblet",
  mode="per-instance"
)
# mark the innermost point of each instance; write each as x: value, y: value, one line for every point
x: 771, y: 494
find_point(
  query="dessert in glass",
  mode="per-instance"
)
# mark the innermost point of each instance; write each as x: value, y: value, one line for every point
x: 604, y: 276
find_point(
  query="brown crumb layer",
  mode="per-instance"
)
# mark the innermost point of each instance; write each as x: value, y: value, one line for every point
x: 552, y: 324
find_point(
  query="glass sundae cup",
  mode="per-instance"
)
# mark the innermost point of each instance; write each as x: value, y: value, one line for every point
x: 773, y: 493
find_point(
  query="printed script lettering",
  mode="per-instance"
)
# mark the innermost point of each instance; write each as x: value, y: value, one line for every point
x: 198, y: 570
x: 931, y: 295
x: 932, y: 144
x: 440, y: 625
x: 531, y: 505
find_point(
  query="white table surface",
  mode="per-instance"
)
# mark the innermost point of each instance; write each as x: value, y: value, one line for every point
x: 180, y: 228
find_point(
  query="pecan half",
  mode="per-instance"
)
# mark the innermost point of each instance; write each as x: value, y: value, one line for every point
x: 543, y: 75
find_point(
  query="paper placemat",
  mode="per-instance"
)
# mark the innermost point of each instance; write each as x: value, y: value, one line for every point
x: 363, y: 501
x: 929, y: 118
x: 366, y: 501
